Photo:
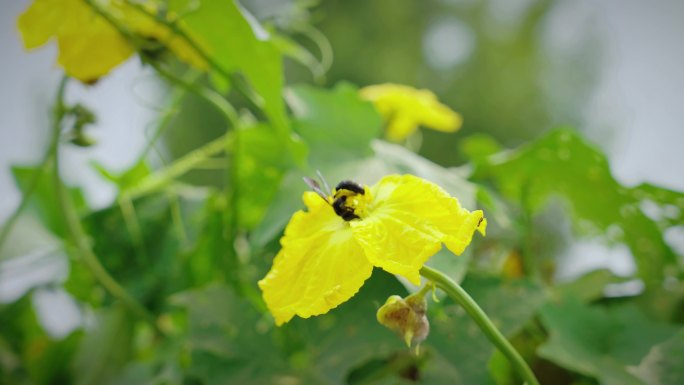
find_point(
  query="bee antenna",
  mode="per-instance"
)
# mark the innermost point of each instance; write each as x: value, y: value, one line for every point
x: 325, y: 183
x: 315, y: 187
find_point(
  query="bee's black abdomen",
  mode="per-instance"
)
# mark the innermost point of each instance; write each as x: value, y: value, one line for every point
x: 346, y: 213
x: 338, y: 204
x: 351, y: 186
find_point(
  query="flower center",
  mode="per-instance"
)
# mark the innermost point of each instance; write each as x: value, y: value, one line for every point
x: 350, y: 200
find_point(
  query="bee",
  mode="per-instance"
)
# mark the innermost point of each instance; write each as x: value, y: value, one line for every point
x: 343, y: 191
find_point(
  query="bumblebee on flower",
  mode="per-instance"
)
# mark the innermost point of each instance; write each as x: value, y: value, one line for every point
x: 329, y: 250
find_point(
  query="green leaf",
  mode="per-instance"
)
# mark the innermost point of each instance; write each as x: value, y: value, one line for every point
x: 563, y: 164
x: 588, y: 287
x: 105, y: 349
x: 292, y: 49
x: 598, y: 342
x: 670, y: 202
x: 350, y: 336
x: 235, y: 40
x: 478, y: 147
x: 226, y: 339
x: 262, y: 159
x: 336, y: 124
x: 28, y: 355
x: 663, y: 364
x: 129, y: 178
x: 229, y: 341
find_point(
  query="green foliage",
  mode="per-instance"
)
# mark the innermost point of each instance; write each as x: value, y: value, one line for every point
x: 563, y: 164
x: 114, y: 330
x: 224, y: 29
x: 262, y: 159
x: 189, y: 250
x: 464, y: 350
x: 336, y: 124
x: 44, y: 202
x: 597, y: 342
x: 663, y: 363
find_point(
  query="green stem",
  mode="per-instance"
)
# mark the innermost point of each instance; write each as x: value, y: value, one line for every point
x: 255, y: 101
x: 35, y: 179
x: 77, y: 234
x: 471, y: 307
x: 212, y: 97
x: 167, y: 175
x: 216, y: 100
x: 168, y: 114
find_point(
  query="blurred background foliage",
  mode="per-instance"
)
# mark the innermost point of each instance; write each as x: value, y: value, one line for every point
x: 197, y: 218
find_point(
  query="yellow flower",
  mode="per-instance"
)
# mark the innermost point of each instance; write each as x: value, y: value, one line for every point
x: 405, y: 108
x: 329, y: 251
x: 89, y: 46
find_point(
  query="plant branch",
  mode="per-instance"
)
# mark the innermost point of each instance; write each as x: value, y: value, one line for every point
x: 77, y: 234
x: 167, y: 116
x: 209, y: 95
x: 255, y: 101
x: 161, y: 178
x: 478, y: 315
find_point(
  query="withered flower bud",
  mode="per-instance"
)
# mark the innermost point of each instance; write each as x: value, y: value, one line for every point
x: 406, y: 316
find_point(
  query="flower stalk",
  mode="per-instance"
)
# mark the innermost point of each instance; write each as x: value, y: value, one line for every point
x: 456, y: 292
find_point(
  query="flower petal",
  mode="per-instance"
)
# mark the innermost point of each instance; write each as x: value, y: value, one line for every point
x: 89, y: 55
x: 408, y: 221
x: 401, y: 127
x: 40, y: 22
x: 319, y: 266
x: 405, y: 108
x: 89, y: 47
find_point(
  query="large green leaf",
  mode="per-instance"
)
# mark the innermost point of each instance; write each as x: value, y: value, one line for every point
x: 669, y: 203
x: 233, y: 38
x: 350, y: 335
x: 589, y: 287
x: 664, y: 363
x: 336, y: 124
x: 600, y: 342
x: 261, y: 159
x: 229, y: 341
x: 105, y: 349
x: 563, y: 164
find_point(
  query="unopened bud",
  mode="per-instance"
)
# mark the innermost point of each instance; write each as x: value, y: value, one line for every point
x: 406, y: 316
